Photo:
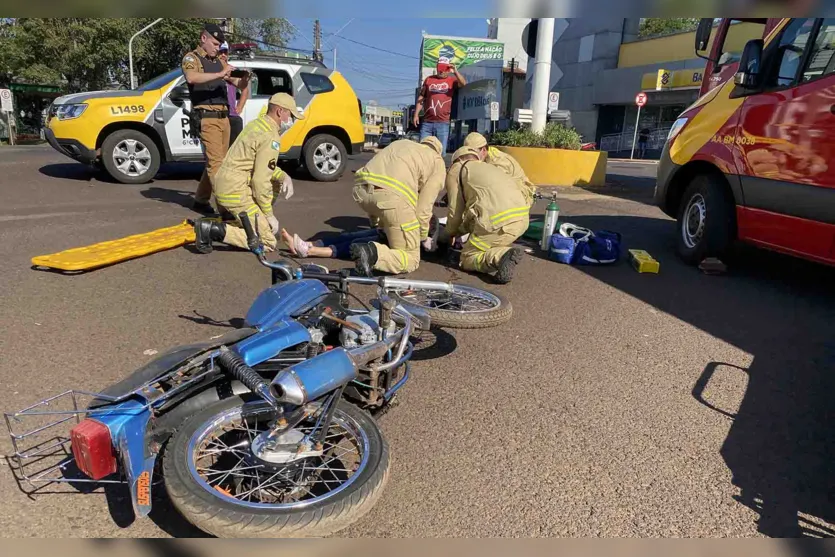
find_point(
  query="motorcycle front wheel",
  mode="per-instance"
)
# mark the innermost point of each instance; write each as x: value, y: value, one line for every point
x: 465, y: 307
x: 217, y: 484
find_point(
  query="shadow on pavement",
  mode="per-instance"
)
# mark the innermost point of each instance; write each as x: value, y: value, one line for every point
x: 200, y: 319
x: 622, y: 186
x: 781, y: 445
x: 183, y: 198
x: 434, y: 343
x: 75, y: 171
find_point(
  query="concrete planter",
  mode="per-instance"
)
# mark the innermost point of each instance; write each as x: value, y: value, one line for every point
x: 560, y: 167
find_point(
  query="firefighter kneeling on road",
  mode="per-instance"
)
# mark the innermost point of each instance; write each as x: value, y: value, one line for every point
x: 398, y: 189
x: 505, y: 162
x: 492, y: 208
x: 246, y: 180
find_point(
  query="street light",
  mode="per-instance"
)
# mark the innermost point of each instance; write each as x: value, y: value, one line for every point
x: 130, y: 50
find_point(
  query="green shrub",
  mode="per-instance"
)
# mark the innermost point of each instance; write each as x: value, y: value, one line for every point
x: 554, y: 136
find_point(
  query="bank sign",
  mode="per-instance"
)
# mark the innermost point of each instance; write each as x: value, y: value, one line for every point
x: 459, y: 52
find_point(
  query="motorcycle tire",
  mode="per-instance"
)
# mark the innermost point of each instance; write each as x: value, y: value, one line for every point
x: 497, y: 309
x: 216, y: 511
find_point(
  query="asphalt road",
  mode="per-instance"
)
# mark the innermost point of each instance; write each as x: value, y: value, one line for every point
x: 613, y: 404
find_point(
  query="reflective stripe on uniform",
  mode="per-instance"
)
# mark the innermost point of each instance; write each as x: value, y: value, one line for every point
x: 404, y: 258
x: 253, y: 210
x: 492, y: 152
x: 409, y: 226
x: 228, y: 198
x: 479, y: 243
x: 263, y: 124
x: 277, y: 173
x: 387, y: 181
x: 479, y: 262
x: 509, y: 214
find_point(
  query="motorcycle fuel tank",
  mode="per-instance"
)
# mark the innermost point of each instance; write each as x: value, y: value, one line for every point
x: 284, y: 300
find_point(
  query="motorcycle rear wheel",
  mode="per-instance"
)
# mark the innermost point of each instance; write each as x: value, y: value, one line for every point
x: 466, y: 307
x: 214, y: 481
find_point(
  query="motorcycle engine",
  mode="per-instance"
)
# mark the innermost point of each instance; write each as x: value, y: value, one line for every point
x: 368, y: 323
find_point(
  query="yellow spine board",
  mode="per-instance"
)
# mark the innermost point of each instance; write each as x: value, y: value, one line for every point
x: 643, y: 261
x: 115, y: 251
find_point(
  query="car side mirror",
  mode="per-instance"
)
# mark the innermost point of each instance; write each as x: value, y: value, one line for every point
x: 703, y: 33
x: 749, y: 72
x: 179, y: 93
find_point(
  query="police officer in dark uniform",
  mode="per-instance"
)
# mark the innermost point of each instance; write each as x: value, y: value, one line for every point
x: 207, y: 75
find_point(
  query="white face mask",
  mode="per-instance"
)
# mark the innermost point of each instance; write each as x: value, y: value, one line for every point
x: 284, y: 126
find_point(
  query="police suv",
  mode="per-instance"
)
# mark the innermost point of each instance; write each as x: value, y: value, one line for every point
x: 131, y: 133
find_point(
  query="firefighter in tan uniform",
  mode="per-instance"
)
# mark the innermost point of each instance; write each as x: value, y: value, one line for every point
x: 398, y: 189
x: 492, y: 208
x: 248, y: 178
x: 206, y: 76
x: 501, y: 160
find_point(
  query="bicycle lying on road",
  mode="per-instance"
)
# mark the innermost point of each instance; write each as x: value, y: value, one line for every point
x: 264, y: 431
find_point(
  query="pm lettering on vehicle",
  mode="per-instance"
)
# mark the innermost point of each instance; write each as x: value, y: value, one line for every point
x: 130, y: 109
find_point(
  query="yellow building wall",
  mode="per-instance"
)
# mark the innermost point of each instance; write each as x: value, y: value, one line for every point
x: 673, y: 48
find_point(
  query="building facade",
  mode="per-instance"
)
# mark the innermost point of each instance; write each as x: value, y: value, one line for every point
x: 600, y: 64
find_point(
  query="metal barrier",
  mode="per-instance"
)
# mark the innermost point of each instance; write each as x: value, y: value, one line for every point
x: 623, y: 141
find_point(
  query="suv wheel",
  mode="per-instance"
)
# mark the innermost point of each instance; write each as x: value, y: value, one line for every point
x: 130, y: 157
x: 706, y: 221
x: 325, y: 157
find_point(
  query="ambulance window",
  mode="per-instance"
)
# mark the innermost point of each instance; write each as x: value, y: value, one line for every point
x: 821, y: 59
x: 317, y: 83
x: 268, y: 82
x: 790, y: 50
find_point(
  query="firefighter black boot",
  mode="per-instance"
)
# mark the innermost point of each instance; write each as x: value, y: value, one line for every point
x: 365, y: 257
x: 207, y: 230
x: 507, y: 264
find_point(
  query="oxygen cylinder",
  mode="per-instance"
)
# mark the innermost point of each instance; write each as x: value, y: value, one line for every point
x: 552, y: 213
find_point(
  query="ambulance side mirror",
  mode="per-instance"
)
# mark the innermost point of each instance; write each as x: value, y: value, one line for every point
x: 750, y: 65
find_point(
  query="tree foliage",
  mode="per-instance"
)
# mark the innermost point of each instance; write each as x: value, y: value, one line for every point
x: 652, y: 26
x: 273, y: 31
x: 83, y: 54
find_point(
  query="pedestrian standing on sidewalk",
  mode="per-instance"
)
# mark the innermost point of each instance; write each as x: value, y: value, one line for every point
x: 236, y: 105
x: 436, y: 101
x: 643, y: 142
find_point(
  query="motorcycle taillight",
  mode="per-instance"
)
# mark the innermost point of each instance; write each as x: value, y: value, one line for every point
x: 92, y: 449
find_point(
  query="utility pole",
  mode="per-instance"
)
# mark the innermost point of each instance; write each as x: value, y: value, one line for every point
x: 510, y: 89
x: 130, y: 50
x: 542, y: 73
x: 317, y: 40
x: 334, y: 58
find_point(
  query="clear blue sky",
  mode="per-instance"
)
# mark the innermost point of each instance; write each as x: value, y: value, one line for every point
x: 376, y: 75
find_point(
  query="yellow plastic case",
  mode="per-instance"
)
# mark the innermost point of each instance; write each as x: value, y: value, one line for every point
x: 115, y: 251
x: 643, y: 261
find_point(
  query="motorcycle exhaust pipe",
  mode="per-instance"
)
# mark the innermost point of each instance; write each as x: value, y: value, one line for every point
x: 314, y: 378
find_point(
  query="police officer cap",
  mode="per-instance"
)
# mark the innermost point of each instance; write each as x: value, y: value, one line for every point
x: 475, y: 140
x: 434, y: 143
x: 286, y: 101
x: 215, y: 31
x: 465, y: 150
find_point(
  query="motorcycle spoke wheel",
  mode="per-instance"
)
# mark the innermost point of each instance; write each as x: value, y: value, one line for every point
x: 464, y: 307
x: 223, y: 464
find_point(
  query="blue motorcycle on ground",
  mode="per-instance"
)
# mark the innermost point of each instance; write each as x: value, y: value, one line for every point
x: 264, y: 431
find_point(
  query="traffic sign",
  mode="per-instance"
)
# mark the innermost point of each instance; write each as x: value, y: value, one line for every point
x: 641, y: 99
x: 553, y: 102
x: 6, y: 100
x: 494, y: 111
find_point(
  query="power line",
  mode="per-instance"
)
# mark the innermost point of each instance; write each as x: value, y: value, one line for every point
x: 378, y: 48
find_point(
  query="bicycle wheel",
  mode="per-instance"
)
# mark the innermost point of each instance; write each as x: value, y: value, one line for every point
x: 465, y: 307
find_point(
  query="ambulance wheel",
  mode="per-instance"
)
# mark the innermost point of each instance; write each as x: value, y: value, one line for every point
x: 325, y: 157
x: 130, y: 157
x: 706, y: 220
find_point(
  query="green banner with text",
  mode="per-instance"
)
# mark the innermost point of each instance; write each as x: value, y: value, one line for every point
x: 459, y: 52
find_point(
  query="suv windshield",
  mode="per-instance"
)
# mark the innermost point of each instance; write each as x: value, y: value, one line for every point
x: 160, y: 80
